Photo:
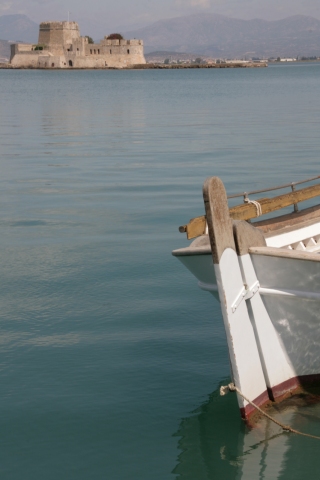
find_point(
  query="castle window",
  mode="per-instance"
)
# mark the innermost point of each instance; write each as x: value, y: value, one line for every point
x: 70, y: 63
x: 77, y: 49
x: 52, y: 65
x: 90, y: 51
x: 94, y: 51
x: 98, y: 51
x: 110, y: 52
x: 128, y: 51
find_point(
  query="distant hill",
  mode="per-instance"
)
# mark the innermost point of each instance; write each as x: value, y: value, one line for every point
x: 18, y: 28
x: 225, y: 37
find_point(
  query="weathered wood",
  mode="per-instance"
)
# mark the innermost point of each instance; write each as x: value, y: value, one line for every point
x: 218, y: 218
x: 246, y: 236
x: 248, y: 210
x: 195, y: 228
x: 197, y: 225
x: 284, y: 253
x: 288, y: 221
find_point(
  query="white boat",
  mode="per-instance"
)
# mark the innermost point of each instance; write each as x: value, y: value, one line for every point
x: 266, y: 276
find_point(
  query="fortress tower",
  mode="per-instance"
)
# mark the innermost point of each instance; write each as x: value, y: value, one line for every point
x: 58, y: 34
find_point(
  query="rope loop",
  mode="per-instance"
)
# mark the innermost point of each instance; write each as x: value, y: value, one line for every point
x: 255, y: 203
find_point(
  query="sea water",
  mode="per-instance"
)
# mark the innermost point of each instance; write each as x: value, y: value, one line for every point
x: 111, y: 357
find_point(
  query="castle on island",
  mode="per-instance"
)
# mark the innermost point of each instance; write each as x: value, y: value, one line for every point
x: 61, y: 46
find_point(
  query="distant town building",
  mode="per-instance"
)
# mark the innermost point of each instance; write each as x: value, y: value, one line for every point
x: 61, y: 46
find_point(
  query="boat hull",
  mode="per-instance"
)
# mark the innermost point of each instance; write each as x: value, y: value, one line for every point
x: 269, y: 298
x: 289, y: 294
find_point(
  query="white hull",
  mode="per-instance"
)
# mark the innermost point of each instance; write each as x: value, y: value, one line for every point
x: 270, y: 302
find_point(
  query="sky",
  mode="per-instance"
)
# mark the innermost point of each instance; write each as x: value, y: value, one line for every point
x: 115, y: 15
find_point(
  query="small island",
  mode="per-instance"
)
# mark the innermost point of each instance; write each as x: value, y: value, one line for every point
x: 61, y: 46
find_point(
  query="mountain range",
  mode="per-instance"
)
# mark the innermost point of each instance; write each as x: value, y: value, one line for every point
x: 206, y: 34
x: 225, y: 37
x: 18, y: 28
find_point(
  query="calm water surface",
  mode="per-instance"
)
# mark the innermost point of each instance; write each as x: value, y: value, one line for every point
x: 111, y: 357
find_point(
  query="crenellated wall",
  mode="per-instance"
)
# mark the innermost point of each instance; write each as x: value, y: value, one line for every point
x: 58, y: 33
x: 115, y: 53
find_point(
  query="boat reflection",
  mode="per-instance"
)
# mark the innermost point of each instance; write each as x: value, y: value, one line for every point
x: 215, y: 443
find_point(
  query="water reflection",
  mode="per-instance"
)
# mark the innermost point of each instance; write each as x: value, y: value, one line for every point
x: 66, y: 125
x: 215, y: 443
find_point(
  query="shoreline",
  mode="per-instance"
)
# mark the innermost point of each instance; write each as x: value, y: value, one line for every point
x: 162, y: 66
x: 149, y: 66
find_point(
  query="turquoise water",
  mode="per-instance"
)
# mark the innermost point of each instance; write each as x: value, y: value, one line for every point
x: 111, y: 356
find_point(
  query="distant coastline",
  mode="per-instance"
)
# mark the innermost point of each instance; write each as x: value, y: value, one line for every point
x: 153, y: 66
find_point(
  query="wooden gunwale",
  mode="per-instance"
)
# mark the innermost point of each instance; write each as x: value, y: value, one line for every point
x: 248, y: 211
x: 285, y: 253
x: 289, y: 222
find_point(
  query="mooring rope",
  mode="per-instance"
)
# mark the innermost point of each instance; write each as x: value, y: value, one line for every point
x: 256, y: 204
x: 232, y: 388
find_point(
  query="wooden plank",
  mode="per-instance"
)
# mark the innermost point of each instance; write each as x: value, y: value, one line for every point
x: 197, y: 225
x: 289, y: 221
x: 248, y: 210
x: 195, y: 228
x: 282, y: 253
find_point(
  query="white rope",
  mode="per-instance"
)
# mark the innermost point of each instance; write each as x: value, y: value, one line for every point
x: 224, y: 390
x: 232, y: 388
x: 256, y: 204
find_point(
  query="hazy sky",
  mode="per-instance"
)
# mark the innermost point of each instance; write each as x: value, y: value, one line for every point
x: 110, y: 15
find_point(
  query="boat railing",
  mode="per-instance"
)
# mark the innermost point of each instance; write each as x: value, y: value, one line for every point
x: 250, y: 209
x: 279, y: 187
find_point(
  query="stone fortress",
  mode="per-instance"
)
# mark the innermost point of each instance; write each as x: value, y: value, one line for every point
x: 61, y: 46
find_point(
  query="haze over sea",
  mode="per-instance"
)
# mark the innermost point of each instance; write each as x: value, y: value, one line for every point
x: 111, y: 356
